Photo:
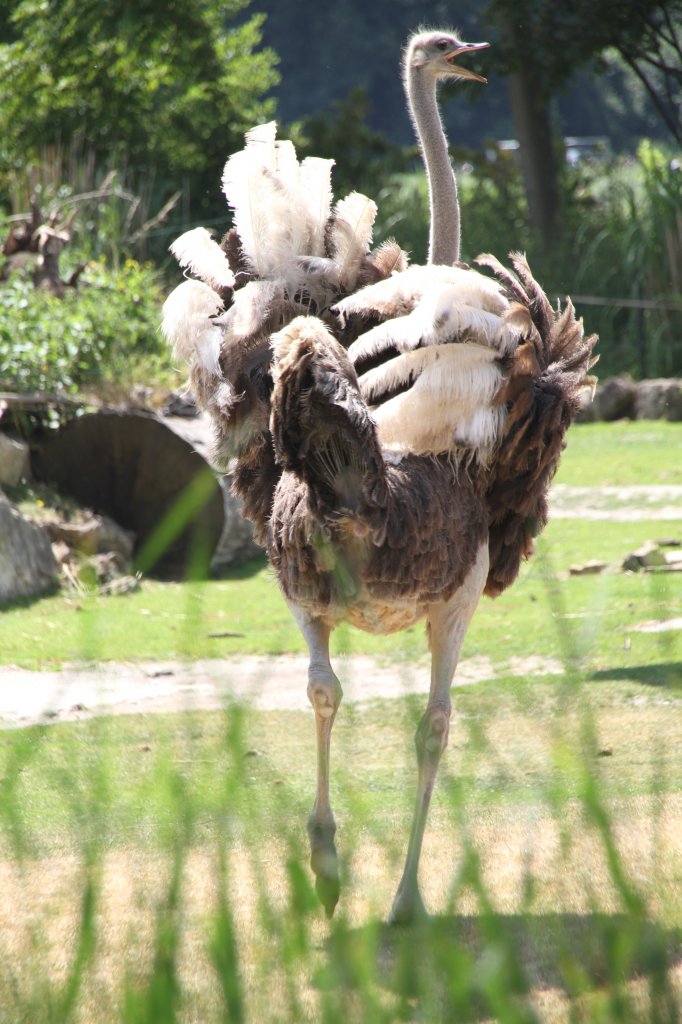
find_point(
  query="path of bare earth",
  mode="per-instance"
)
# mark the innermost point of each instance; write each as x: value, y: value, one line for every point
x: 279, y: 683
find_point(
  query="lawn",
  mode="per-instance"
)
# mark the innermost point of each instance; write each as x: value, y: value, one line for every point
x: 154, y: 867
x: 243, y: 613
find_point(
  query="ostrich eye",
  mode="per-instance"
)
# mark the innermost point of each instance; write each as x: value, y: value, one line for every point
x: 442, y: 44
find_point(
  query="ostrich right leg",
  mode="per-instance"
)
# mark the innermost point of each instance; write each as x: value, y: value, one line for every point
x: 448, y: 623
x: 324, y: 693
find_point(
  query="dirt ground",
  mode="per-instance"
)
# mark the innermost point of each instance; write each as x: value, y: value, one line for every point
x: 275, y: 684
x: 279, y: 683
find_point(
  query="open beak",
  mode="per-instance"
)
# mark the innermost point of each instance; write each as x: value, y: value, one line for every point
x: 457, y: 68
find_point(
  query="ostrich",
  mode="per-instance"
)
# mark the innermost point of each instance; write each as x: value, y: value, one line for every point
x: 429, y: 58
x: 394, y: 428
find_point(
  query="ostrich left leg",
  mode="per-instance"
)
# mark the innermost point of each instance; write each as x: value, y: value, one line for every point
x: 448, y: 622
x: 324, y: 693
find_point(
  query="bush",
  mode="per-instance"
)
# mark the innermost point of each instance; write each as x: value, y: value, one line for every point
x: 85, y: 340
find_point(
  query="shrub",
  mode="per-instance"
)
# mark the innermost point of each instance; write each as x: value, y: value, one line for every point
x: 84, y: 340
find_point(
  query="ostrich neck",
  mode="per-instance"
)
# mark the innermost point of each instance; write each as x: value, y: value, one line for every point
x: 443, y: 203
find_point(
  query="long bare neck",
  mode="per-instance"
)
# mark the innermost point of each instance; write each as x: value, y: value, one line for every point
x: 444, y: 231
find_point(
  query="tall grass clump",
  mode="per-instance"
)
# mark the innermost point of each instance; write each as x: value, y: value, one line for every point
x: 627, y: 233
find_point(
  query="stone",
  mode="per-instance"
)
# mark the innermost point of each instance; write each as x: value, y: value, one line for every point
x: 15, y: 462
x: 659, y: 400
x: 27, y: 564
x: 614, y: 398
x: 236, y: 542
x: 591, y: 568
x: 93, y: 536
x: 648, y: 556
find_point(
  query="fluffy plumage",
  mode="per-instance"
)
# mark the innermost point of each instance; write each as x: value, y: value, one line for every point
x: 197, y: 252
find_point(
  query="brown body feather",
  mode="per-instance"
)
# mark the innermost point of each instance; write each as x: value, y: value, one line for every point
x: 352, y: 535
x: 344, y: 525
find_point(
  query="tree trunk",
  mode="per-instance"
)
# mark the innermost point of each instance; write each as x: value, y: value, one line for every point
x: 538, y: 161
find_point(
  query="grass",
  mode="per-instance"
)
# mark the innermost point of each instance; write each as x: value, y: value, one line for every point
x: 154, y: 868
x: 622, y: 454
x: 244, y: 614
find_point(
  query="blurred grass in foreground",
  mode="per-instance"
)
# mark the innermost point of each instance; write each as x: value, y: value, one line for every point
x: 153, y: 869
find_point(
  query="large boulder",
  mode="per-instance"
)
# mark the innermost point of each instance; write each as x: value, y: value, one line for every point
x: 27, y: 564
x: 659, y: 400
x: 614, y: 399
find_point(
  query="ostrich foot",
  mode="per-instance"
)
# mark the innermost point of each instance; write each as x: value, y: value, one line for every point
x: 324, y: 862
x: 408, y: 907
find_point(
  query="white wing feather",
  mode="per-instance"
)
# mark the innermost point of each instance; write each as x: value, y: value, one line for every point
x: 449, y: 402
x: 351, y: 234
x: 188, y: 327
x: 316, y: 186
x: 197, y: 252
x: 399, y: 294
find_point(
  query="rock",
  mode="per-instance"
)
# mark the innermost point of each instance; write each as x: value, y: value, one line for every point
x: 93, y: 536
x: 588, y: 568
x: 614, y: 398
x: 236, y: 542
x: 15, y: 463
x: 27, y: 564
x: 645, y: 557
x: 659, y: 400
x: 178, y: 404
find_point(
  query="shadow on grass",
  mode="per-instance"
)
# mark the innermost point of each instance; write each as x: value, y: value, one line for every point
x: 243, y: 570
x: 473, y: 967
x: 663, y: 674
x: 28, y: 600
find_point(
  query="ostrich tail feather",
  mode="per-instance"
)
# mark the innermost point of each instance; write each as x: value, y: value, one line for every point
x: 548, y: 377
x: 350, y: 235
x: 196, y: 251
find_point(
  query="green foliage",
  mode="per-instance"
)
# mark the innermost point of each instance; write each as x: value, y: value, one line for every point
x: 168, y: 84
x: 89, y: 337
x: 622, y: 239
x: 361, y: 156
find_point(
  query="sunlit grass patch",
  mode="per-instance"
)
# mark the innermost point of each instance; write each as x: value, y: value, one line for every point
x: 154, y: 868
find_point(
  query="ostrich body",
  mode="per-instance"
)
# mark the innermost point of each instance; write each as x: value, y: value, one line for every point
x: 395, y: 428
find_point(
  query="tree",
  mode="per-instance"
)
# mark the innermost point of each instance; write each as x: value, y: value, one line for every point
x: 543, y: 43
x: 165, y: 86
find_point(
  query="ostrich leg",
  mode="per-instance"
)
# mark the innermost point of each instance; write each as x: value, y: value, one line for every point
x: 324, y: 693
x: 448, y: 622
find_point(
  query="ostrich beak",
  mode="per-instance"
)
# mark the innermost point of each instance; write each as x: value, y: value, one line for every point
x: 465, y: 72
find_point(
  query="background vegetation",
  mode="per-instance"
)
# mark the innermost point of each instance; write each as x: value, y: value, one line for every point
x: 154, y: 99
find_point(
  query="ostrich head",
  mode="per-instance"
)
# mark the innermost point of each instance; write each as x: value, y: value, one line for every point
x: 436, y: 52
